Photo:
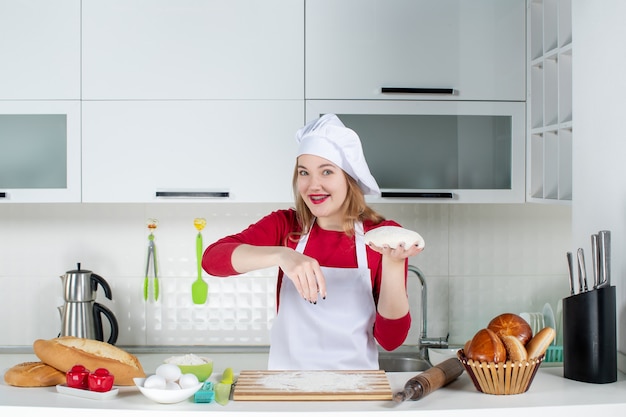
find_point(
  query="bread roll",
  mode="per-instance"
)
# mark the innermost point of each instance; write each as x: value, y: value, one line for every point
x: 33, y: 374
x: 509, y: 324
x: 67, y: 351
x: 540, y: 342
x: 392, y: 236
x: 486, y: 346
x: 466, y: 346
x: 515, y: 351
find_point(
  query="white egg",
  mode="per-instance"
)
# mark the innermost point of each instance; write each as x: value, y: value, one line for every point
x: 168, y: 371
x: 172, y: 386
x: 155, y: 381
x: 188, y: 381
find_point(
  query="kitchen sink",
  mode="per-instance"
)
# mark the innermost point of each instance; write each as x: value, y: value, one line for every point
x: 402, y: 363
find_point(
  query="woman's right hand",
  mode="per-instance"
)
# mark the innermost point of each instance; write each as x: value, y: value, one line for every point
x: 304, y: 272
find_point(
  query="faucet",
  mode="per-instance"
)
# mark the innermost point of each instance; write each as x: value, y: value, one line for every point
x: 425, y: 342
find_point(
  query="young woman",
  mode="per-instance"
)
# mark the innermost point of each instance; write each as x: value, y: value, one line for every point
x: 336, y: 295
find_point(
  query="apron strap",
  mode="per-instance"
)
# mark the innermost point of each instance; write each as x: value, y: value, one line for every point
x: 359, y: 242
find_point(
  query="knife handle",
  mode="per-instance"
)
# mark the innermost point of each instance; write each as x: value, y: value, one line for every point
x: 570, y: 268
x: 582, y: 272
x: 604, y: 249
x: 595, y: 260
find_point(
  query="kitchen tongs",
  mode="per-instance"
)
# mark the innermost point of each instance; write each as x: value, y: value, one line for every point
x: 151, y: 259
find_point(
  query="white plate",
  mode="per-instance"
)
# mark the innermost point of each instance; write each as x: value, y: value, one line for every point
x: 559, y: 323
x: 392, y: 236
x: 526, y: 317
x: 83, y: 393
x: 548, y: 316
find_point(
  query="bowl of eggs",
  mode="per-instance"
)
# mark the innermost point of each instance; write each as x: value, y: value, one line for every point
x: 168, y: 385
x: 192, y: 364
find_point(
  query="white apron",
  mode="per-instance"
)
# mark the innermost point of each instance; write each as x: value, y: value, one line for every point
x: 336, y: 333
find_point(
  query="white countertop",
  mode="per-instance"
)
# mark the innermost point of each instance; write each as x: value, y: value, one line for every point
x: 550, y: 392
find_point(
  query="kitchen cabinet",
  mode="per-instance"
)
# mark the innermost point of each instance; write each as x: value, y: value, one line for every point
x: 438, y: 151
x: 40, y: 50
x: 354, y: 48
x: 230, y: 150
x: 549, y: 125
x: 40, y: 151
x: 187, y: 49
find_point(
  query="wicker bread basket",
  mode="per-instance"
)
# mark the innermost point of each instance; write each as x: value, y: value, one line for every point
x: 501, y: 378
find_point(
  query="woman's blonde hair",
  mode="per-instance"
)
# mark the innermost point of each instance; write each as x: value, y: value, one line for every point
x: 354, y: 207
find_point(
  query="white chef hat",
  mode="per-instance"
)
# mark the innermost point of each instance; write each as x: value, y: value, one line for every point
x: 328, y: 138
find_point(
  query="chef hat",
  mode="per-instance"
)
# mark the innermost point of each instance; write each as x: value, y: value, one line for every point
x: 328, y: 138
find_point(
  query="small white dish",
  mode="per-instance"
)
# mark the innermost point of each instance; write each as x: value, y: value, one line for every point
x: 166, y: 396
x: 83, y: 393
x: 438, y: 355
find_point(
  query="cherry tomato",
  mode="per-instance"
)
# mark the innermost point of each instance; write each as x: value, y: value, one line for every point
x: 77, y: 377
x: 101, y: 380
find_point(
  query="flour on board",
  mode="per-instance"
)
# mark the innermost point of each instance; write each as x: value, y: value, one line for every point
x: 315, y: 382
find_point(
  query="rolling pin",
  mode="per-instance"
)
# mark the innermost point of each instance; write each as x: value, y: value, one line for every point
x: 428, y: 381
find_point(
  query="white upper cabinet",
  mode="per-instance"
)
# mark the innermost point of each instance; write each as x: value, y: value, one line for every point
x: 189, y: 150
x: 355, y: 48
x: 40, y: 151
x: 39, y: 49
x: 188, y: 49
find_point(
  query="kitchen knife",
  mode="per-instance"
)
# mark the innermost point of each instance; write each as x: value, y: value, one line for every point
x: 570, y: 267
x: 595, y: 260
x: 604, y: 252
x: 582, y: 271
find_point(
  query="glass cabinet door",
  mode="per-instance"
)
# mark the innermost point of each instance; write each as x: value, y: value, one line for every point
x: 439, y: 151
x: 39, y: 151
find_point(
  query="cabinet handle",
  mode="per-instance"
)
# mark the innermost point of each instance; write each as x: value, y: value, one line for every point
x: 3, y: 194
x: 407, y: 90
x: 192, y: 194
x: 412, y: 194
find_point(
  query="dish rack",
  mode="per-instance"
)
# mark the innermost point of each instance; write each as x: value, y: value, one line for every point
x: 554, y: 354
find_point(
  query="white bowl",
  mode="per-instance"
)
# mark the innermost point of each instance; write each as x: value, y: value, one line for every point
x: 438, y: 355
x: 166, y: 396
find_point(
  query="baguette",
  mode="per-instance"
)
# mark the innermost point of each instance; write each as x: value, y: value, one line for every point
x: 64, y: 352
x: 33, y: 374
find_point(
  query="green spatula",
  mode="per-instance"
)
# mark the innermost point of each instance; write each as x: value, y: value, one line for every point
x: 199, y: 288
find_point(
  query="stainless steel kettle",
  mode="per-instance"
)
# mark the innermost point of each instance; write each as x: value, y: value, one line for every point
x: 81, y: 316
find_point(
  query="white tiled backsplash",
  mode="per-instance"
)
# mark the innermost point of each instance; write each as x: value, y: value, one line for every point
x: 480, y: 260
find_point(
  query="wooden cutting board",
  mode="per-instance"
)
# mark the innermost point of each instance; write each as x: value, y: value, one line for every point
x: 312, y: 385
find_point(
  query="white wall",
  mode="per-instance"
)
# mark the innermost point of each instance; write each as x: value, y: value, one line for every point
x: 479, y: 261
x: 599, y: 149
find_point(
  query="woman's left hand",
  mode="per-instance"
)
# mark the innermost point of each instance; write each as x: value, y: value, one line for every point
x: 393, y: 302
x: 399, y: 253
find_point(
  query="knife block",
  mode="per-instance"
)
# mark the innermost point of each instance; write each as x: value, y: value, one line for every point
x: 589, y: 336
